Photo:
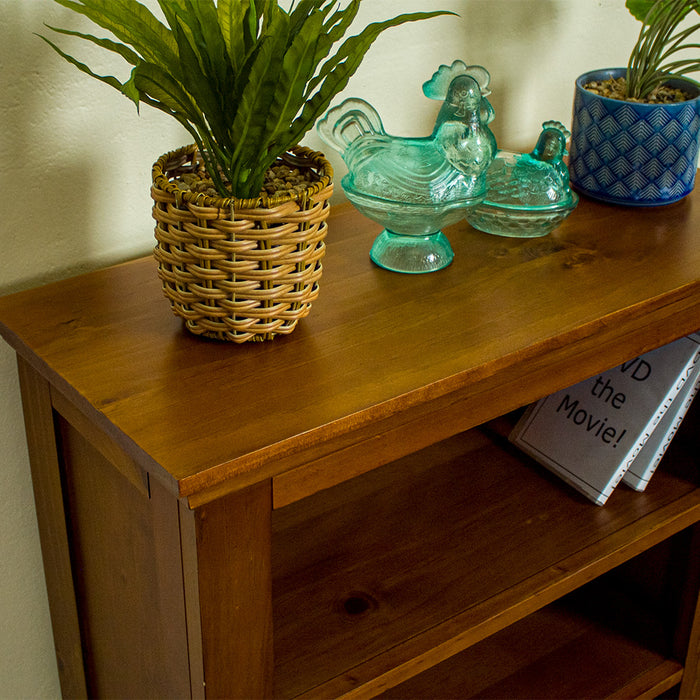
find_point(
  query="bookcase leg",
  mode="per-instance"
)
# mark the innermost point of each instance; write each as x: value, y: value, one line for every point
x: 233, y: 538
x: 690, y: 686
x: 51, y: 517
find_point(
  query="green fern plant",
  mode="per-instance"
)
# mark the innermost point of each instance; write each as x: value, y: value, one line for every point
x: 246, y: 78
x: 654, y: 57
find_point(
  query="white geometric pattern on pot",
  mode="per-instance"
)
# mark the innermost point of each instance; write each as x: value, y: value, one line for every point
x: 670, y: 156
x: 609, y: 125
x: 656, y: 118
x: 656, y: 143
x: 640, y: 130
x: 621, y: 166
x: 595, y: 135
x: 593, y: 161
x: 597, y: 111
x: 606, y: 176
x: 672, y: 130
x: 625, y: 117
x: 623, y: 141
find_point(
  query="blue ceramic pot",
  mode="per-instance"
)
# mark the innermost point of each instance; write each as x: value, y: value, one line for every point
x: 633, y: 153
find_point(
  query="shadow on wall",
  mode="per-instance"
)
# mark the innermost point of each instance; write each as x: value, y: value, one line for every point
x: 514, y: 38
x: 48, y: 186
x: 72, y: 142
x: 29, y: 242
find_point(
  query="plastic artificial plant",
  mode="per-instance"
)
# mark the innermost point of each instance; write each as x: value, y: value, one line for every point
x: 654, y: 57
x: 246, y: 78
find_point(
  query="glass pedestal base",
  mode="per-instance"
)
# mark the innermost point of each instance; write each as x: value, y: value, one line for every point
x: 411, y: 254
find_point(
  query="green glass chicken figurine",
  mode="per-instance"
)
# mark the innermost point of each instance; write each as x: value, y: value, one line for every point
x: 416, y: 186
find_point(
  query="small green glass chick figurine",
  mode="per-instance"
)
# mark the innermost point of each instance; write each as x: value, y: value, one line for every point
x: 529, y: 194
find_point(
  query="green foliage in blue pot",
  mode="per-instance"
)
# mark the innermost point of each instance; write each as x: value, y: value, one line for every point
x: 246, y: 78
x: 655, y: 56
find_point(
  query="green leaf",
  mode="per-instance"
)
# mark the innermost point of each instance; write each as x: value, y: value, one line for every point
x: 341, y: 20
x: 197, y: 34
x: 640, y: 8
x: 203, y: 88
x: 131, y: 23
x: 266, y: 10
x: 230, y: 14
x: 351, y: 53
x: 337, y: 71
x: 250, y: 24
x: 297, y: 68
x: 124, y: 51
x: 334, y: 30
x: 131, y: 91
x: 172, y: 9
x: 209, y: 42
x: 248, y: 129
x: 151, y: 80
x: 107, y: 79
x: 304, y: 9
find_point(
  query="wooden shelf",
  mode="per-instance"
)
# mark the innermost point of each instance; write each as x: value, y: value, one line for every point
x: 337, y: 513
x: 428, y: 555
x: 385, y: 364
x: 557, y: 652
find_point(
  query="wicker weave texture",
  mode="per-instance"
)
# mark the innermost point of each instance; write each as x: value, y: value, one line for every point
x: 240, y: 270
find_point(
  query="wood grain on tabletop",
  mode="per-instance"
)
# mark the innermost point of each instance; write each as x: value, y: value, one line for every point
x: 536, y: 314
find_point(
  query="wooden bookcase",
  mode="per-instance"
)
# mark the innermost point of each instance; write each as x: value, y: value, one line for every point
x: 338, y: 512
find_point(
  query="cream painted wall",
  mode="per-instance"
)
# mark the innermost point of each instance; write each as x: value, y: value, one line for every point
x: 76, y: 176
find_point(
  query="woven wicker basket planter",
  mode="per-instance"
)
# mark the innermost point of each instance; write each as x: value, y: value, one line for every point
x: 240, y: 270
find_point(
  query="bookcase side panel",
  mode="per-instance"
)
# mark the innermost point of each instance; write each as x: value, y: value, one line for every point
x: 127, y: 566
x: 51, y: 517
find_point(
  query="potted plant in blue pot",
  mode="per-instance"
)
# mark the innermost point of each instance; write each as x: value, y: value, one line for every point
x: 635, y: 130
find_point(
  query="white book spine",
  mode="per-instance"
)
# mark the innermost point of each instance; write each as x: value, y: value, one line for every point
x: 639, y: 478
x: 665, y: 405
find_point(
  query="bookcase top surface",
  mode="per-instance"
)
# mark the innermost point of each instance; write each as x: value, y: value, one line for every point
x: 508, y: 322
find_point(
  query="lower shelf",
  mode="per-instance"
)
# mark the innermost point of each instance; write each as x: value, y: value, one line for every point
x: 394, y: 572
x: 594, y: 643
